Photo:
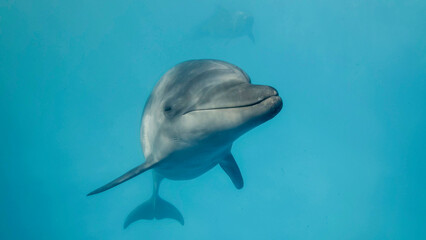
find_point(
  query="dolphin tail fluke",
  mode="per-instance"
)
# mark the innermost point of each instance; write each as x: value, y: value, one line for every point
x: 130, y: 174
x: 154, y: 208
x: 164, y: 209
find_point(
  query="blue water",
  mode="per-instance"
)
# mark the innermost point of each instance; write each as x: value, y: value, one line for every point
x: 345, y: 158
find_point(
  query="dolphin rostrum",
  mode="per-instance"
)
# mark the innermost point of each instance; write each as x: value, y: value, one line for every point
x: 194, y: 114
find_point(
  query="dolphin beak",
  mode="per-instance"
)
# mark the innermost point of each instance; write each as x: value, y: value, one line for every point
x: 239, y: 96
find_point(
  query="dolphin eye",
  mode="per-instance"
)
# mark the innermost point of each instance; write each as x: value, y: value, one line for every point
x: 167, y: 108
x: 168, y: 111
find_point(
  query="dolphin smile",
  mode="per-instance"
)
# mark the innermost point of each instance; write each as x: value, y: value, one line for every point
x: 275, y: 95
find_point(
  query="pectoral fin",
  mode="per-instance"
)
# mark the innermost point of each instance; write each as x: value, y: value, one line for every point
x: 130, y: 174
x: 229, y: 165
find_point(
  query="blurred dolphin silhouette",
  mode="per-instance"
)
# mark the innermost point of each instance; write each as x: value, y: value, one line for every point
x: 194, y: 114
x: 226, y: 25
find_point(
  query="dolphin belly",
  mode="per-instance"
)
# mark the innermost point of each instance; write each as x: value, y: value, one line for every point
x: 186, y: 169
x: 189, y: 163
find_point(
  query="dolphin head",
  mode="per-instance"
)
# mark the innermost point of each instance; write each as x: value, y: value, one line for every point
x: 208, y: 102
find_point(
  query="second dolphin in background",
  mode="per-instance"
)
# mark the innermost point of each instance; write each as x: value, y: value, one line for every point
x: 224, y: 24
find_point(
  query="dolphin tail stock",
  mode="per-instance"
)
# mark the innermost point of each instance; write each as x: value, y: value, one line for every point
x: 154, y: 208
x: 128, y: 175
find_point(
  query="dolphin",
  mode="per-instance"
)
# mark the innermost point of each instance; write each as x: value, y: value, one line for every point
x: 190, y: 121
x: 224, y: 24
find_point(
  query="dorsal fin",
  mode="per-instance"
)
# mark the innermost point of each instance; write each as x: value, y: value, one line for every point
x: 128, y: 175
x: 229, y: 165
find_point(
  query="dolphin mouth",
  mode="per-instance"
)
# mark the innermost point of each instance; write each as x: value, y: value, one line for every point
x: 275, y: 94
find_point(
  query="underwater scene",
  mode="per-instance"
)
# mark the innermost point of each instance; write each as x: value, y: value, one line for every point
x: 213, y: 119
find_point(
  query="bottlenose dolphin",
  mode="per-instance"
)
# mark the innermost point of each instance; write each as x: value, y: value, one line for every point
x: 190, y: 121
x: 224, y: 24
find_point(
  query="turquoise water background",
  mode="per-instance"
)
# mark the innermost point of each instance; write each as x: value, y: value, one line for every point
x: 345, y: 159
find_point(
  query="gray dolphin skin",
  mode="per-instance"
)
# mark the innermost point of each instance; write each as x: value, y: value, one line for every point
x: 194, y: 114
